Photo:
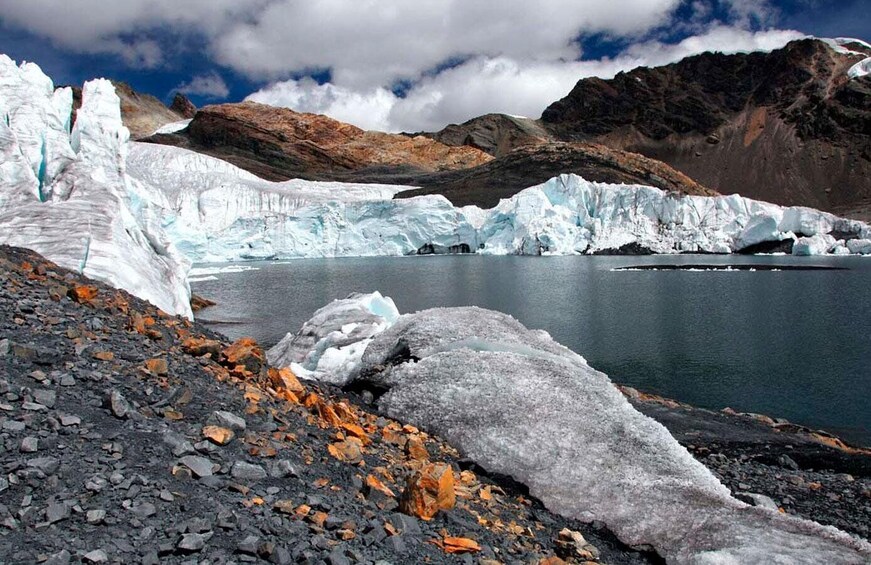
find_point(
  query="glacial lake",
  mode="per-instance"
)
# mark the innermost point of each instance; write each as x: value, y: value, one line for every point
x: 793, y: 344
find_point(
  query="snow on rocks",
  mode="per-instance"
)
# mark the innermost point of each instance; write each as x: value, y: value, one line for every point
x: 330, y: 345
x: 520, y: 404
x: 65, y: 193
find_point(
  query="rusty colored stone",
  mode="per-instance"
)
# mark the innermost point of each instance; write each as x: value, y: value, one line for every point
x: 284, y: 379
x: 247, y: 353
x: 104, y: 355
x: 201, y: 346
x: 374, y: 483
x: 415, y: 449
x: 218, y: 435
x: 83, y: 294
x: 429, y: 490
x: 460, y: 545
x: 349, y: 450
x: 157, y: 366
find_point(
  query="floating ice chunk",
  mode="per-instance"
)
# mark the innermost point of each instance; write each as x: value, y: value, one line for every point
x: 815, y: 245
x: 859, y: 246
x: 330, y: 345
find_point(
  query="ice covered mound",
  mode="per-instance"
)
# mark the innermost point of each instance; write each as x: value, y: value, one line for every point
x: 568, y: 214
x: 519, y: 403
x: 65, y: 193
x: 330, y: 345
x: 215, y: 211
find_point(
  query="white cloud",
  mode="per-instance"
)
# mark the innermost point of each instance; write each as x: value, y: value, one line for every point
x: 498, y: 84
x: 211, y: 85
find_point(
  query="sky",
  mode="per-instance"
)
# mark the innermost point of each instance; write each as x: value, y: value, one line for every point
x: 395, y: 65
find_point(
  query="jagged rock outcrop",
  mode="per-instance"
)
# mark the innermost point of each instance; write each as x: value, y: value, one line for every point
x: 279, y: 144
x: 789, y: 126
x: 496, y: 134
x: 182, y: 106
x: 529, y: 165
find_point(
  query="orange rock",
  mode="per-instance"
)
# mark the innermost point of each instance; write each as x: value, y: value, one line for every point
x: 374, y: 483
x: 83, y: 294
x: 350, y: 450
x: 201, y: 346
x: 429, y: 490
x: 302, y: 510
x: 157, y: 366
x: 415, y: 449
x: 218, y: 435
x: 284, y: 379
x: 245, y: 352
x: 460, y: 545
x: 318, y: 519
x: 104, y: 355
x: 357, y: 432
x: 392, y: 436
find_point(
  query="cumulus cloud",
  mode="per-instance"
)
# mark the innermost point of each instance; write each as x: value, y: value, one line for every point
x: 496, y: 84
x: 211, y: 85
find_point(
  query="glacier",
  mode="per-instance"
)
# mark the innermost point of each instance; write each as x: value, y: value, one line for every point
x: 518, y: 403
x: 65, y: 193
x: 216, y: 212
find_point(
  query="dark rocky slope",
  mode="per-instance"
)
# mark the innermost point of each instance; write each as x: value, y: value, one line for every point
x: 129, y: 436
x: 533, y: 164
x: 787, y: 126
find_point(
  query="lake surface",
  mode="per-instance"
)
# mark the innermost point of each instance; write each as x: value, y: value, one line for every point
x: 790, y: 344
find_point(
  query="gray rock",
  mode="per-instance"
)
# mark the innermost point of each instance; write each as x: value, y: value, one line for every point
x: 47, y: 465
x: 4, y: 347
x: 247, y: 472
x: 56, y: 513
x: 199, y: 466
x: 406, y: 524
x: 96, y: 484
x: 281, y: 556
x: 337, y: 557
x: 227, y: 420
x: 67, y: 380
x: 96, y: 516
x: 193, y: 543
x: 144, y: 510
x: 787, y: 461
x: 758, y: 500
x: 14, y: 426
x: 4, y: 484
x: 282, y: 469
x: 118, y: 404
x: 47, y: 398
x: 248, y: 545
x: 29, y: 445
x: 69, y: 420
x: 32, y: 407
x: 96, y: 556
x: 62, y: 557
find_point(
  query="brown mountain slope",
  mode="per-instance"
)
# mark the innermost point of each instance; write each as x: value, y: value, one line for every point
x: 278, y: 144
x: 496, y: 134
x: 533, y: 164
x: 786, y: 126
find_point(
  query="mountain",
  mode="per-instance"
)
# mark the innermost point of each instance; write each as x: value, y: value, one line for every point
x: 279, y: 144
x: 792, y: 126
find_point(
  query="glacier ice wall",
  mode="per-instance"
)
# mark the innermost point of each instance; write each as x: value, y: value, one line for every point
x: 217, y: 212
x: 65, y: 193
x: 518, y: 403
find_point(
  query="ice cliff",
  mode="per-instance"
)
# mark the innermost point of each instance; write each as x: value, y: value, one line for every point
x: 65, y: 193
x: 217, y: 212
x: 518, y: 403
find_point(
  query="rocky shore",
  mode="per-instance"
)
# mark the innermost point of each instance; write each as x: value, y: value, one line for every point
x: 129, y: 436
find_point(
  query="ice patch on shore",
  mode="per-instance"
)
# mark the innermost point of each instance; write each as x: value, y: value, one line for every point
x: 518, y: 403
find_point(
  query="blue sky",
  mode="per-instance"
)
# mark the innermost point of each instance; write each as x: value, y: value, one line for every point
x: 380, y: 65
